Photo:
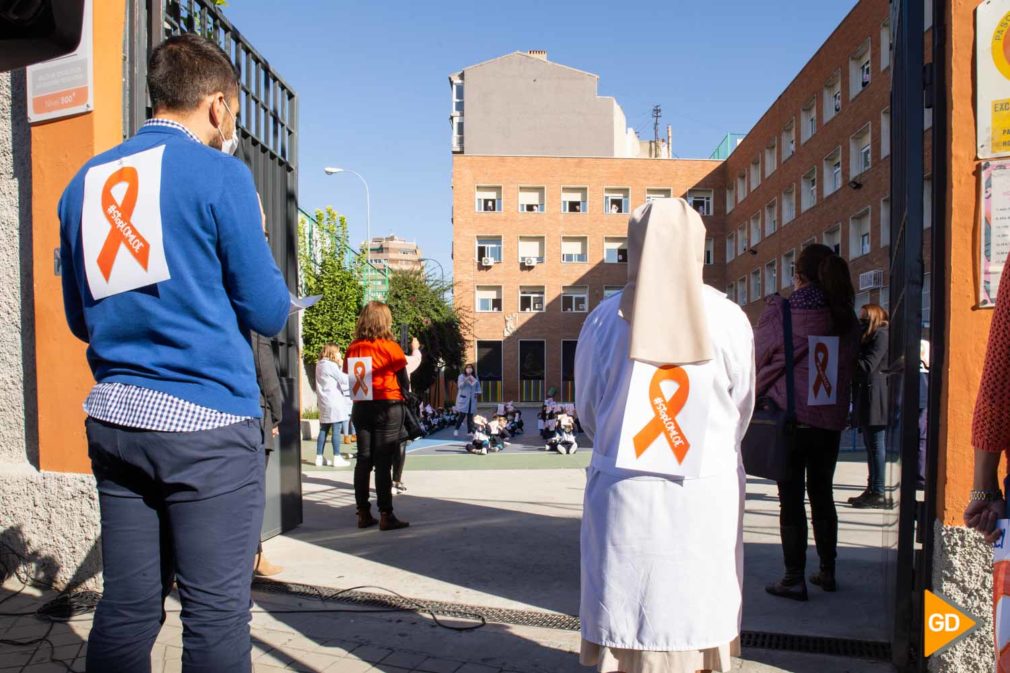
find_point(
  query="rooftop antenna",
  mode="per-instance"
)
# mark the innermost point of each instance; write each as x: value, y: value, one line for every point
x: 657, y: 112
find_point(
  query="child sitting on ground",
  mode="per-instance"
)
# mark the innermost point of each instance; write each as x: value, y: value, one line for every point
x: 565, y: 434
x: 515, y: 420
x: 481, y: 442
x: 498, y: 436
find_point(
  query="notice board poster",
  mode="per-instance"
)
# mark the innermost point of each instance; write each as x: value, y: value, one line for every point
x: 64, y: 86
x: 992, y: 71
x: 995, y: 231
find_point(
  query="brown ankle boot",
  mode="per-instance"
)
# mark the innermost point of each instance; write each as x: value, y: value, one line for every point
x: 390, y: 522
x: 365, y: 518
x: 265, y: 568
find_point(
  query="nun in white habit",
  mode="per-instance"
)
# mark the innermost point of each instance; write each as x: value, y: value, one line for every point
x: 665, y: 389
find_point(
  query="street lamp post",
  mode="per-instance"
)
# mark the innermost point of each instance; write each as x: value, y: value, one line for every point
x: 441, y: 269
x: 333, y: 170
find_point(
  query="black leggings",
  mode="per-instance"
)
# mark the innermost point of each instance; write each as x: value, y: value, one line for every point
x: 379, y: 424
x: 469, y: 421
x: 813, y: 462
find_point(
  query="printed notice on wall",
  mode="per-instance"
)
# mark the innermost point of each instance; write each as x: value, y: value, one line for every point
x: 63, y: 86
x: 992, y: 69
x: 995, y: 231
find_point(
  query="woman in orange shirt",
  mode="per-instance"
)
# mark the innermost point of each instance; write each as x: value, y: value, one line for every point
x: 377, y: 368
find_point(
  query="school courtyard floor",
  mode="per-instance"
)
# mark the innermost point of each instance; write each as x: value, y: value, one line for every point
x: 496, y: 536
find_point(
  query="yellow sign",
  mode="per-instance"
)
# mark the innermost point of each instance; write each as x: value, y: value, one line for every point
x: 1001, y: 125
x: 1001, y: 45
x: 943, y: 623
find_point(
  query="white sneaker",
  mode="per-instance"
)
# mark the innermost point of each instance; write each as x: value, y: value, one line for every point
x: 340, y: 461
x: 319, y: 461
x: 483, y: 451
x: 455, y: 433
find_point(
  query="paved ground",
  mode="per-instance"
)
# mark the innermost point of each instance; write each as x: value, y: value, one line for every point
x: 486, y: 534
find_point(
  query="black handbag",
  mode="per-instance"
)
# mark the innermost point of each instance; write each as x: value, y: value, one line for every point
x: 768, y: 444
x: 411, y: 428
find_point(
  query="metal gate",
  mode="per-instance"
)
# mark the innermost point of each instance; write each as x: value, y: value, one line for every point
x: 268, y: 131
x: 913, y: 85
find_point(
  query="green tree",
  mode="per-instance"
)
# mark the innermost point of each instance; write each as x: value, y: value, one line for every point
x: 420, y: 303
x: 328, y: 266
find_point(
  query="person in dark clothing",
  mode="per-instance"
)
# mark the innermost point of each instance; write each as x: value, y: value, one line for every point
x: 272, y: 404
x: 869, y: 403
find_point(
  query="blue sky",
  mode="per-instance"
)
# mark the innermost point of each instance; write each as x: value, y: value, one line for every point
x: 372, y: 78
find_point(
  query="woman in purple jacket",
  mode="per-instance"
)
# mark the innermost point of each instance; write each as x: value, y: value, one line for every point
x: 822, y: 308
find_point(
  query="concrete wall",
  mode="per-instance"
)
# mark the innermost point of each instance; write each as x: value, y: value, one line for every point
x: 523, y: 105
x: 48, y: 521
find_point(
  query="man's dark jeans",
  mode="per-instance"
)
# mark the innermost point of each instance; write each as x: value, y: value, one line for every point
x: 182, y: 506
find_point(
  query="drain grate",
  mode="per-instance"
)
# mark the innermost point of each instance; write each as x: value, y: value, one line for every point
x: 841, y: 647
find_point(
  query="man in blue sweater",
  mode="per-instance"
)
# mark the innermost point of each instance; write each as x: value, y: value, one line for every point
x: 165, y: 273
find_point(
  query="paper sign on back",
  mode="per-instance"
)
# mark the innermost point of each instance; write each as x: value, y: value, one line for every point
x: 360, y: 370
x: 822, y: 385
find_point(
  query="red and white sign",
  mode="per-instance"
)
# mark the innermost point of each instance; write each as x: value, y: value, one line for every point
x: 64, y: 86
x: 121, y: 230
x: 823, y: 371
x: 361, y: 379
x: 666, y: 419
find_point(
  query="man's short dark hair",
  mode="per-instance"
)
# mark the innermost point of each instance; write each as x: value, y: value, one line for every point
x: 186, y: 68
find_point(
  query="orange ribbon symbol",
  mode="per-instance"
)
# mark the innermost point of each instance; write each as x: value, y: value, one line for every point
x: 821, y: 363
x: 664, y: 421
x: 123, y: 231
x: 359, y: 378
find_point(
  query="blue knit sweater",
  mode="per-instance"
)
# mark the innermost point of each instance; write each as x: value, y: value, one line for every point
x: 187, y: 335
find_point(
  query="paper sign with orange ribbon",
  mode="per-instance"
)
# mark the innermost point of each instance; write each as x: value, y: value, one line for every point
x: 823, y: 375
x: 121, y: 231
x: 360, y: 371
x: 666, y: 419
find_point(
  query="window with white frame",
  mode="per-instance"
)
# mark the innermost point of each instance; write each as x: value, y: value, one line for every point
x: 755, y: 173
x: 457, y: 96
x: 700, y: 200
x: 788, y: 205
x: 574, y: 200
x: 731, y: 247
x: 927, y: 15
x: 531, y: 299
x: 862, y: 299
x: 885, y: 221
x: 808, y: 195
x: 755, y: 229
x: 860, y: 151
x: 657, y: 193
x: 741, y: 187
x: 833, y: 172
x: 755, y: 285
x: 885, y: 45
x: 771, y: 219
x: 771, y: 278
x: 885, y: 132
x: 788, y: 140
x: 859, y: 234
x: 531, y: 248
x: 574, y: 250
x: 741, y: 240
x: 885, y: 298
x: 457, y: 134
x: 808, y: 120
x: 489, y: 249
x: 610, y: 290
x: 615, y: 250
x: 833, y: 96
x: 788, y: 268
x: 731, y: 292
x: 833, y: 239
x: 860, y: 69
x: 574, y: 299
x: 616, y: 200
x: 771, y: 157
x: 730, y: 198
x: 531, y: 199
x: 927, y: 117
x: 488, y: 299
x: 709, y: 251
x: 488, y: 199
x: 927, y: 203
x: 741, y: 292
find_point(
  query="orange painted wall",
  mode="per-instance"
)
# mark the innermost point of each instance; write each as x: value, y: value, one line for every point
x: 59, y: 149
x: 967, y: 328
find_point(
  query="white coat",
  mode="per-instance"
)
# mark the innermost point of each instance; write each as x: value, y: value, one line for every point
x: 333, y: 390
x: 466, y: 395
x: 662, y: 557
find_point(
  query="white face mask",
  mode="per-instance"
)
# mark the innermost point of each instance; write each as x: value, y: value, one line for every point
x: 229, y: 145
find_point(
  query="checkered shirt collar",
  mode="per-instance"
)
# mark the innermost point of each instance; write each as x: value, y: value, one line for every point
x: 172, y: 125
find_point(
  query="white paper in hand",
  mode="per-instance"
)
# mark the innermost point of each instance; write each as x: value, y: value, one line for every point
x: 302, y: 303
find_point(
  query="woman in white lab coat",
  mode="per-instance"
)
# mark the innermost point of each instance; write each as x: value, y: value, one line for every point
x: 665, y: 388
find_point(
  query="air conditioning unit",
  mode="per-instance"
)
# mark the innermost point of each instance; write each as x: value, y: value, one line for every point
x: 529, y: 261
x: 487, y: 261
x: 871, y: 280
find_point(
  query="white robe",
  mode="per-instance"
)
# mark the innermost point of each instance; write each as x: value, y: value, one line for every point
x: 662, y: 557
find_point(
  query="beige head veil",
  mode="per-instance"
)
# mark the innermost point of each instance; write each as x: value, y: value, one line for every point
x: 663, y: 300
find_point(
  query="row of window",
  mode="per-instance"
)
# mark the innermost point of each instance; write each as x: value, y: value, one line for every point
x: 616, y: 200
x: 574, y: 250
x: 531, y: 366
x: 532, y: 298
